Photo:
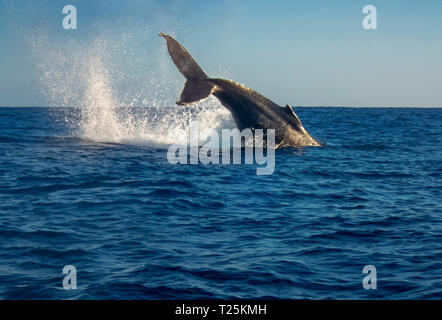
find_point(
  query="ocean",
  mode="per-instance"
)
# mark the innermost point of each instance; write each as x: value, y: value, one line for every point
x: 95, y: 190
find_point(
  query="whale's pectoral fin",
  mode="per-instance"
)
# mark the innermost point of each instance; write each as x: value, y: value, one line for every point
x: 195, y: 90
x: 295, y: 118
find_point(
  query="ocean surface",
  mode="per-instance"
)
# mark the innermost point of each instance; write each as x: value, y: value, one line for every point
x: 95, y: 190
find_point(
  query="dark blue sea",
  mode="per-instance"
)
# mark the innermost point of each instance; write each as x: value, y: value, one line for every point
x: 137, y: 227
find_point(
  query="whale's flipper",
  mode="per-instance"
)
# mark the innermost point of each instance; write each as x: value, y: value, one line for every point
x: 196, y: 88
x: 295, y: 118
x: 291, y: 112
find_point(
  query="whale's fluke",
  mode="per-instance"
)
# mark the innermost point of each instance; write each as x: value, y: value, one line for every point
x: 195, y: 88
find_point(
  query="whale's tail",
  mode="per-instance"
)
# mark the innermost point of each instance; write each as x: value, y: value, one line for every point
x: 196, y: 88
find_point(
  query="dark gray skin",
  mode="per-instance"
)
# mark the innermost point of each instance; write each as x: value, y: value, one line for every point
x: 249, y: 108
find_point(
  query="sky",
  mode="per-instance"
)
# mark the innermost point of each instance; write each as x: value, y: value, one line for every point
x: 303, y: 53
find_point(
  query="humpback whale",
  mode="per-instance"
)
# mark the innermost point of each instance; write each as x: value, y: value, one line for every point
x: 248, y: 108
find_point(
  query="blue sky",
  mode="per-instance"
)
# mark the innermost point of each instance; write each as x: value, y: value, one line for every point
x: 296, y: 52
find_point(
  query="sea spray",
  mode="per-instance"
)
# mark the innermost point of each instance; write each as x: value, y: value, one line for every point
x: 84, y: 76
x: 99, y: 119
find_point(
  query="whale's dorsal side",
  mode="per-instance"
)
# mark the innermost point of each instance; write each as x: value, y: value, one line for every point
x: 240, y: 89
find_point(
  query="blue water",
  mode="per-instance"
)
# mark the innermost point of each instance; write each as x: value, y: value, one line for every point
x: 135, y: 226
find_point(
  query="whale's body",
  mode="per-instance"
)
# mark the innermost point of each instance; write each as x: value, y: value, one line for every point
x: 248, y: 108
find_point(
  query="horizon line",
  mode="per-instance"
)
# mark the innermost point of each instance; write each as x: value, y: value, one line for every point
x: 295, y: 106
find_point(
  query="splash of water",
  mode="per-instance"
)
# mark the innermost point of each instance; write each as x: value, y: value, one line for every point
x: 90, y: 83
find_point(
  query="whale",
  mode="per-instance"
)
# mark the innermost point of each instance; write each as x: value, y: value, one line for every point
x: 249, y: 109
